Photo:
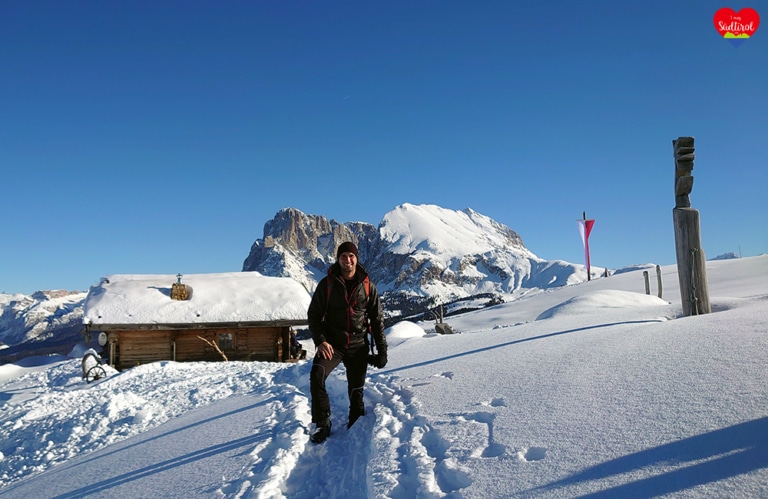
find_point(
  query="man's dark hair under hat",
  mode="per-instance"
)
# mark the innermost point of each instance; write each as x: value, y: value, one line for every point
x: 347, y: 247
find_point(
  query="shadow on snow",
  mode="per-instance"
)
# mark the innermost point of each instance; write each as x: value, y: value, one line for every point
x: 701, y: 459
x: 514, y: 342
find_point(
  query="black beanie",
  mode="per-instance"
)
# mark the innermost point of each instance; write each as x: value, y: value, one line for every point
x: 348, y: 247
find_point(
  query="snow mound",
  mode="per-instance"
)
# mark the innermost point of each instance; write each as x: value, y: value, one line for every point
x: 600, y: 300
x: 79, y: 350
x: 402, y: 331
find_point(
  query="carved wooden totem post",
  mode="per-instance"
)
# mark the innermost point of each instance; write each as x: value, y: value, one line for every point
x: 691, y: 262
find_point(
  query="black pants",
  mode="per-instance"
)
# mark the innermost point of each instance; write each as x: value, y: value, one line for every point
x: 355, y: 360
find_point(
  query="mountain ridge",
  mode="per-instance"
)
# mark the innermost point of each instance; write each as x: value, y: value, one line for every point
x: 419, y: 256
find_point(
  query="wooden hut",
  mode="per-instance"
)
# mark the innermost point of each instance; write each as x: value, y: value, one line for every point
x: 207, y: 317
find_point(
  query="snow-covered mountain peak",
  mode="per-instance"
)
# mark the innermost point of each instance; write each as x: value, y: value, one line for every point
x: 410, y: 229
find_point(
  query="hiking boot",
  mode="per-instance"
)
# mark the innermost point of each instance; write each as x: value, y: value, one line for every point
x: 354, y: 416
x: 322, y: 431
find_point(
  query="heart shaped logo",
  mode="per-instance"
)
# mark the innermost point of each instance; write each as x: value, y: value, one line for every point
x: 736, y: 26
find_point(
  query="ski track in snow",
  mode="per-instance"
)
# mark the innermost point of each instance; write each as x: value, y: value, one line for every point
x: 380, y: 455
x: 391, y: 452
x: 274, y: 457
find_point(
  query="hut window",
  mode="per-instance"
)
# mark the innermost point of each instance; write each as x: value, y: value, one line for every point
x: 225, y: 341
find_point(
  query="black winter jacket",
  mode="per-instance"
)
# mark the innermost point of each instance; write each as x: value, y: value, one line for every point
x: 344, y: 324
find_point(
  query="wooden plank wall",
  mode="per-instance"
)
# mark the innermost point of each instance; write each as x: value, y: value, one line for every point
x: 141, y: 347
x: 265, y: 344
x: 268, y: 343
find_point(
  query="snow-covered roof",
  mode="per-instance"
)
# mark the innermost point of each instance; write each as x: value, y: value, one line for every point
x: 233, y: 297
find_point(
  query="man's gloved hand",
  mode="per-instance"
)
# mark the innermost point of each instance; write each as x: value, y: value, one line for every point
x: 378, y: 360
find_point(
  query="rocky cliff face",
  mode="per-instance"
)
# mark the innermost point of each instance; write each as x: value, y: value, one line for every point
x: 304, y: 246
x: 421, y: 254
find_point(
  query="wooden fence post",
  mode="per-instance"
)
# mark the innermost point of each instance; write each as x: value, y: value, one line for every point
x: 658, y: 278
x: 691, y: 262
x: 647, y: 282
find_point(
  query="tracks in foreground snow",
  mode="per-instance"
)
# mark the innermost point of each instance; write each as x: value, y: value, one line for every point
x: 391, y: 452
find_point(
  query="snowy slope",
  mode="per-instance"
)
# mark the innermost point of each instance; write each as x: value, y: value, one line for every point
x: 591, y: 389
x: 442, y: 233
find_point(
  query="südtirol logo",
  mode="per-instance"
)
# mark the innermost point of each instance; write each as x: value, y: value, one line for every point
x: 736, y: 26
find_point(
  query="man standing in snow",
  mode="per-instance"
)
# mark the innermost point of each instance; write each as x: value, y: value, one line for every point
x: 344, y: 307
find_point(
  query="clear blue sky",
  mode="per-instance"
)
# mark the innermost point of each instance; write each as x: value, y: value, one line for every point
x: 159, y: 137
